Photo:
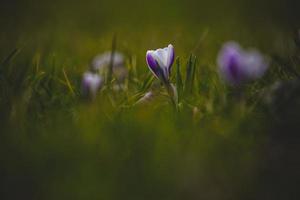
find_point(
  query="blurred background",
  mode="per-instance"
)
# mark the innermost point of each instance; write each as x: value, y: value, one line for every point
x: 30, y: 21
x: 57, y: 148
x: 79, y: 30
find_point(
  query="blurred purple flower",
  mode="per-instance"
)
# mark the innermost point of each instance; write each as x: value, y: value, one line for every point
x: 160, y: 62
x: 91, y: 83
x: 237, y: 65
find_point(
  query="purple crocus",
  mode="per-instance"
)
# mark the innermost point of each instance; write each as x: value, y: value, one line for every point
x: 160, y: 62
x: 91, y: 83
x: 237, y: 65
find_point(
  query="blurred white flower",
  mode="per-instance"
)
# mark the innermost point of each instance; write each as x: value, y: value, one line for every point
x: 101, y: 63
x: 91, y: 83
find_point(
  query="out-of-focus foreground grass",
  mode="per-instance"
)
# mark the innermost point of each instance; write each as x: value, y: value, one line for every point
x: 54, y: 145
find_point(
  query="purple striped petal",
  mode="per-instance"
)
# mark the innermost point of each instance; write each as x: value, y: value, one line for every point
x: 152, y: 64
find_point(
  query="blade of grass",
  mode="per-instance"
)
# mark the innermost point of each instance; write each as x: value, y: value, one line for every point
x: 68, y: 82
x: 193, y: 74
x: 147, y: 83
x: 111, y: 62
x: 4, y: 72
x: 189, y: 76
x: 179, y: 82
x: 10, y: 56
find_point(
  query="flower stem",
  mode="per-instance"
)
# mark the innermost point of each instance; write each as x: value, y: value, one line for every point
x: 172, y: 94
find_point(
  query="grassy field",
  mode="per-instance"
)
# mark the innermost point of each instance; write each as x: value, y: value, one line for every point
x: 220, y: 143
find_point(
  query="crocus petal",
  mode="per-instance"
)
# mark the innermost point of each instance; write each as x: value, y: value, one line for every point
x: 152, y: 63
x: 161, y: 56
x: 171, y: 56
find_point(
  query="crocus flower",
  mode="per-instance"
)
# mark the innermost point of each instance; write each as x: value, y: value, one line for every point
x: 255, y: 64
x: 101, y: 63
x: 103, y: 60
x: 237, y: 65
x: 160, y: 62
x: 91, y: 83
